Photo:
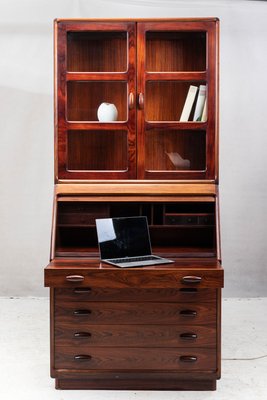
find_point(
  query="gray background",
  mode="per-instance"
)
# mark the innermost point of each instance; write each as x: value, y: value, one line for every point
x: 26, y: 129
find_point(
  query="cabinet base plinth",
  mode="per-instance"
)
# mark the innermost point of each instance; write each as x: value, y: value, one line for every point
x: 136, y: 384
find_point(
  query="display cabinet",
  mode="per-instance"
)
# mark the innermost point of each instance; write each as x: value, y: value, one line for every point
x: 154, y: 327
x: 145, y: 69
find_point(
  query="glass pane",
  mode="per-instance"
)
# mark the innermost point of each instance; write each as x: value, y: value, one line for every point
x: 165, y: 100
x: 97, y: 51
x: 97, y: 150
x: 171, y: 150
x: 175, y: 51
x: 84, y: 99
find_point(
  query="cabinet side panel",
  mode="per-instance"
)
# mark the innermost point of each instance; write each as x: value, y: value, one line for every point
x: 52, y: 333
x: 219, y: 324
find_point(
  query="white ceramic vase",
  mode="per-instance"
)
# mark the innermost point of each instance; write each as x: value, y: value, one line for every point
x: 107, y: 112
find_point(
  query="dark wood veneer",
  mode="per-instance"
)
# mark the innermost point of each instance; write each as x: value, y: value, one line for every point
x: 135, y: 294
x: 149, y: 328
x: 134, y: 313
x: 134, y: 335
x: 135, y: 359
x: 97, y: 275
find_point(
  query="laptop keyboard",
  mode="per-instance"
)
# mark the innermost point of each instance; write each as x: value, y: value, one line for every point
x: 133, y: 259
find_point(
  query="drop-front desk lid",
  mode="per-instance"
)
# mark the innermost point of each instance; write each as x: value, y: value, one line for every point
x: 77, y: 272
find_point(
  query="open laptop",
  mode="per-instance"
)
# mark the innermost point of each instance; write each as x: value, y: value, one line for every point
x: 125, y: 242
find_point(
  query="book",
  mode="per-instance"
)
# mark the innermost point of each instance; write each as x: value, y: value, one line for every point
x: 200, y: 103
x: 190, y: 98
x: 204, y: 113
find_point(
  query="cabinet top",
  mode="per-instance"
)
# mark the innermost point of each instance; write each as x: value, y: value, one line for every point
x: 191, y: 19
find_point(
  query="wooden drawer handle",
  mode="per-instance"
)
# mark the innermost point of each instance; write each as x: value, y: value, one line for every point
x: 141, y: 101
x: 188, y: 313
x: 82, y: 312
x: 131, y: 100
x: 188, y: 336
x: 188, y: 359
x: 191, y: 279
x: 188, y: 290
x: 82, y: 357
x: 75, y: 278
x: 82, y: 290
x: 82, y: 334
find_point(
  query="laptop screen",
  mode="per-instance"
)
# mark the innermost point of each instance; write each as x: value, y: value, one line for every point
x: 123, y: 237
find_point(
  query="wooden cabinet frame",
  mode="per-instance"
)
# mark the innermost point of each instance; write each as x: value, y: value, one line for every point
x: 155, y: 327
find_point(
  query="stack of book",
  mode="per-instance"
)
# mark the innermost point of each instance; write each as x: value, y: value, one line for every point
x: 195, y: 104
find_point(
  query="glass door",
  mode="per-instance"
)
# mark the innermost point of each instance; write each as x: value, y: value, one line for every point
x: 95, y: 130
x: 176, y: 100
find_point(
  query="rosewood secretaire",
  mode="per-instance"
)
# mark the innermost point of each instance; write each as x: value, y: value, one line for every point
x: 154, y: 327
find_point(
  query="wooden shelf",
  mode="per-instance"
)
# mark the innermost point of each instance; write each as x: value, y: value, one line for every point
x: 176, y: 125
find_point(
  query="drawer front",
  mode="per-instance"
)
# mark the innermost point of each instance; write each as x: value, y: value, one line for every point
x: 99, y: 358
x: 135, y: 294
x: 84, y: 213
x: 135, y: 313
x: 142, y: 278
x: 78, y: 219
x: 85, y: 334
x: 189, y: 219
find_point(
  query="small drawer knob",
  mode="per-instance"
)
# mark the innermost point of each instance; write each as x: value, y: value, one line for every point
x: 82, y: 357
x: 82, y: 312
x: 191, y: 279
x: 189, y: 359
x: 75, y: 278
x: 188, y: 336
x: 188, y: 313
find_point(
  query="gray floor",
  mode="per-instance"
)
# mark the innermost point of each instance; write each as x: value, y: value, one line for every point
x: 24, y: 367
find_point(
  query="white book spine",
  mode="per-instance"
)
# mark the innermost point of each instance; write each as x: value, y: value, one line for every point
x: 188, y: 103
x: 200, y: 103
x: 204, y: 113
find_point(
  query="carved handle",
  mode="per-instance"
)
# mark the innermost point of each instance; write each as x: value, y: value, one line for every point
x: 141, y: 101
x: 74, y: 278
x: 188, y: 336
x: 188, y: 358
x: 191, y: 279
x: 82, y: 334
x: 82, y: 357
x: 82, y: 312
x: 131, y: 100
x: 82, y: 290
x: 188, y: 290
x: 188, y: 313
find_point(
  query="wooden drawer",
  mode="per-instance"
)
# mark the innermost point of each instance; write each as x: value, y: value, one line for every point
x: 135, y: 294
x: 99, y: 358
x: 73, y: 213
x: 77, y: 219
x: 134, y: 335
x: 93, y: 274
x: 134, y: 313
